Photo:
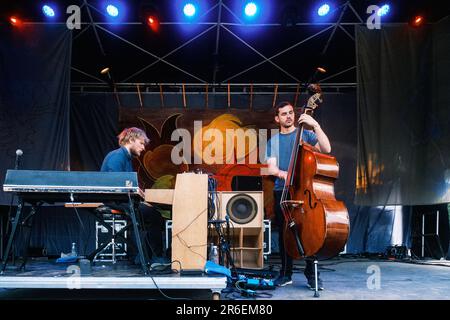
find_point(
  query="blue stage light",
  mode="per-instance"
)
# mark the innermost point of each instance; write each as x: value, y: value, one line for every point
x: 323, y: 10
x: 384, y: 10
x: 250, y: 9
x: 189, y: 10
x: 112, y: 10
x: 48, y: 11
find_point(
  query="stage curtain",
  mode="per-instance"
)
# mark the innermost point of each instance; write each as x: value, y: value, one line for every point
x: 34, y: 97
x: 93, y: 129
x: 403, y: 154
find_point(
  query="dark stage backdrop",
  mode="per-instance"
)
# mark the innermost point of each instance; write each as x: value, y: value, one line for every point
x: 93, y: 128
x: 34, y: 98
x: 403, y: 115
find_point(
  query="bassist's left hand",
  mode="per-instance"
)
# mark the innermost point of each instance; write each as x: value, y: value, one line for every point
x: 308, y: 122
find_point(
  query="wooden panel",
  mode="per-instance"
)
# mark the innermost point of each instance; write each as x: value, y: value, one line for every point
x: 161, y: 196
x: 83, y: 204
x: 190, y: 221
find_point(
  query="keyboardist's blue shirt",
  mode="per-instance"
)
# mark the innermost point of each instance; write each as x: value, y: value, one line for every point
x: 118, y: 160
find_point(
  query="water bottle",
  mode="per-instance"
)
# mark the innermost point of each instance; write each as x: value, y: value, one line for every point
x: 214, y: 254
x: 74, y: 250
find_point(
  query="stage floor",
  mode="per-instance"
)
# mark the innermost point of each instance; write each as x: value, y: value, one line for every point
x: 345, y: 278
x: 356, y: 279
x: 67, y: 279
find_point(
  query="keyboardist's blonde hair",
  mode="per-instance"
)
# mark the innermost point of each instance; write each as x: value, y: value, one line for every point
x: 129, y: 134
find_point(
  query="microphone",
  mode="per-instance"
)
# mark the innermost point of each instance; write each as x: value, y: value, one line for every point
x: 19, y: 153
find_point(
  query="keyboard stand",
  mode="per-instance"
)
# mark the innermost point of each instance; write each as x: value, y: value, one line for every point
x: 132, y: 208
x: 15, y: 222
x: 143, y: 257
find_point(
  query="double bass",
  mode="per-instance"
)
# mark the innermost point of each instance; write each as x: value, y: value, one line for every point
x: 318, y: 223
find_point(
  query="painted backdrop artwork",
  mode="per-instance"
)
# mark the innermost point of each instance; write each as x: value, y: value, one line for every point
x: 225, y: 144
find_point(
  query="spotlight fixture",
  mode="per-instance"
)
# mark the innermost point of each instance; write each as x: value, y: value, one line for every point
x: 149, y: 15
x: 384, y: 10
x: 104, y: 70
x: 153, y: 23
x: 48, y: 11
x: 112, y: 10
x: 323, y: 10
x: 189, y: 10
x: 418, y: 21
x: 15, y: 21
x: 250, y: 9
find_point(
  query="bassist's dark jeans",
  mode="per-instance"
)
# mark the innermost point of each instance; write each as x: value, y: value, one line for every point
x: 286, y: 260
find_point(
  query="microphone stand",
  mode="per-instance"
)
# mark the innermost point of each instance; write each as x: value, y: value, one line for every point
x: 227, y: 219
x: 224, y: 246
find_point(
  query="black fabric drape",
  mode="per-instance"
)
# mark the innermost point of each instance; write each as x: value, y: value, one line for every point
x: 403, y: 115
x: 373, y: 229
x: 34, y: 98
x: 55, y: 228
x: 94, y: 126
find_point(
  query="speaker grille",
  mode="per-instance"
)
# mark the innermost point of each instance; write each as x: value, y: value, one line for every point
x: 242, y: 208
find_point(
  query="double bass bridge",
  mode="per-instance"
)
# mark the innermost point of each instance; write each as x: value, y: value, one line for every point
x: 292, y: 203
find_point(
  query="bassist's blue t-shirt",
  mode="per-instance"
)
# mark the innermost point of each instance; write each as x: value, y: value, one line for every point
x: 280, y: 147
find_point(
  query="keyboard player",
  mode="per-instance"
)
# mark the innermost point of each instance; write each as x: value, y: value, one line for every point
x: 132, y: 142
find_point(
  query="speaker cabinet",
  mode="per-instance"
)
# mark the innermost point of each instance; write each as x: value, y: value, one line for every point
x: 245, y: 210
